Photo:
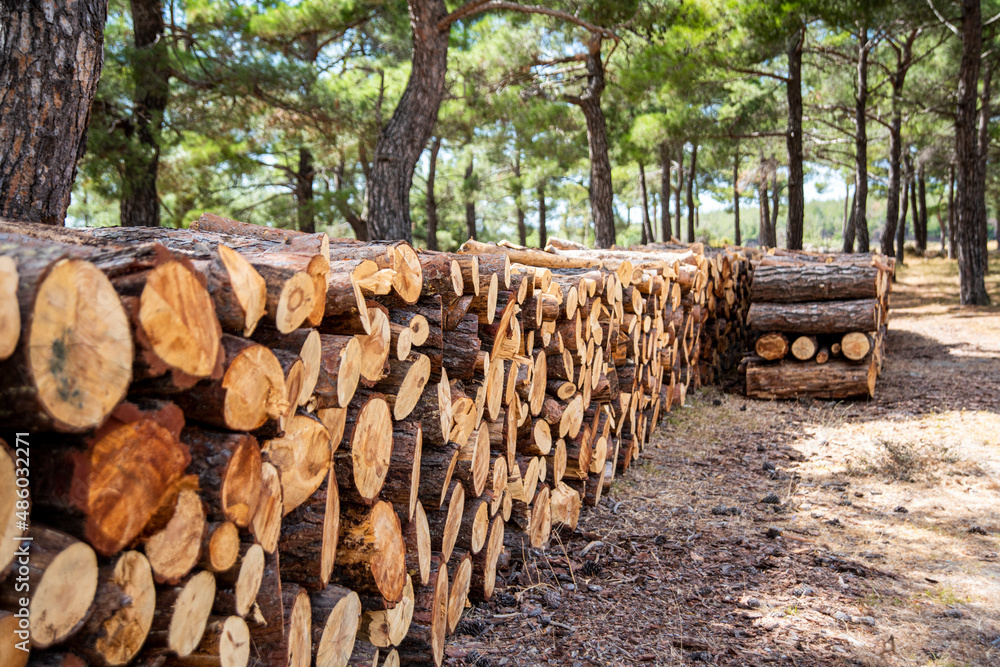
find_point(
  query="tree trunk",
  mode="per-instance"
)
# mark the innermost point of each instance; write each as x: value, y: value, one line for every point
x: 764, y: 234
x: 775, y: 204
x: 952, y: 217
x: 50, y: 63
x: 665, y: 193
x: 470, y: 201
x: 861, y: 146
x: 983, y: 147
x: 522, y: 231
x: 914, y: 215
x: 601, y: 195
x: 677, y: 194
x: 895, y: 151
x: 796, y: 197
x: 921, y: 219
x: 140, y: 205
x: 849, y: 225
x: 304, y: 192
x: 901, y: 226
x: 970, y: 191
x: 736, y: 196
x: 690, y: 192
x: 543, y: 235
x: 647, y: 227
x: 431, y: 200
x: 404, y: 137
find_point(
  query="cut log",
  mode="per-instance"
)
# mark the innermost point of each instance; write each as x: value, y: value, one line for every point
x: 302, y: 456
x: 226, y: 642
x: 371, y: 553
x: 336, y: 614
x: 836, y: 379
x: 396, y: 255
x: 815, y: 317
x: 429, y: 625
x: 238, y: 587
x: 772, y: 346
x: 823, y: 354
x: 74, y: 360
x: 804, y: 348
x: 173, y: 551
x: 228, y: 466
x: 469, y: 264
x: 375, y: 347
x: 458, y: 593
x: 291, y: 294
x: 441, y: 274
x: 266, y: 522
x: 220, y: 546
x: 10, y: 312
x: 565, y: 505
x: 286, y: 239
x: 417, y: 536
x: 110, y: 492
x: 122, y: 614
x: 363, y: 463
x: 484, y: 563
x: 250, y: 392
x: 237, y: 290
x: 14, y: 649
x: 444, y: 525
x: 402, y: 482
x: 15, y: 502
x: 436, y: 468
x: 338, y: 372
x: 306, y: 344
x: 475, y: 524
x: 405, y: 383
x: 182, y: 613
x: 792, y: 283
x: 287, y: 643
x: 856, y: 345
x: 388, y: 627
x: 473, y: 467
x: 345, y: 299
x: 309, y: 534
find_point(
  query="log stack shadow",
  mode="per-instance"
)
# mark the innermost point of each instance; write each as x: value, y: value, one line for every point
x: 256, y: 446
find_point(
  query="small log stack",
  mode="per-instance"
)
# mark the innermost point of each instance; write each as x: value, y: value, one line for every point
x: 820, y: 323
x: 255, y: 446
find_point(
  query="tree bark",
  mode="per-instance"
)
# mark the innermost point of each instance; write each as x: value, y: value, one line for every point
x: 677, y: 193
x: 860, y: 217
x: 665, y: 193
x: 983, y: 147
x: 50, y: 64
x: 765, y: 235
x: 901, y: 226
x: 522, y: 231
x: 690, y: 192
x: 543, y: 236
x: 736, y: 197
x: 601, y: 195
x: 775, y: 204
x: 431, y: 199
x: 470, y: 201
x: 952, y: 215
x: 793, y: 141
x: 647, y: 227
x: 849, y: 225
x: 140, y: 205
x: 921, y: 219
x: 404, y: 137
x: 913, y: 205
x: 304, y: 192
x: 970, y: 191
x: 895, y: 148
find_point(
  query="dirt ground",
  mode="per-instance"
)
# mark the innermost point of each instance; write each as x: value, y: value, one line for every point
x: 879, y: 545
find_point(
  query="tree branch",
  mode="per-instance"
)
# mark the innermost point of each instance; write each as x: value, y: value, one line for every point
x: 942, y: 19
x: 480, y: 6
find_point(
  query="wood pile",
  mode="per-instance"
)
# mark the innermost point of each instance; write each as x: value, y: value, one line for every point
x: 820, y: 323
x: 246, y: 445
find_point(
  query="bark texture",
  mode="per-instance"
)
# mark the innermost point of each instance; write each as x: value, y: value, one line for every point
x: 796, y: 196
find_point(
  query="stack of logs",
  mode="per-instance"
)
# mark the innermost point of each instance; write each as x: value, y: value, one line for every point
x: 237, y: 445
x: 821, y: 323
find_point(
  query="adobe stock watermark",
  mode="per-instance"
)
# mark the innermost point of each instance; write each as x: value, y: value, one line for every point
x: 22, y: 556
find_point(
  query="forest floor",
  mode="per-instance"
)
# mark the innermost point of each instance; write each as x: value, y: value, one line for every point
x: 883, y: 547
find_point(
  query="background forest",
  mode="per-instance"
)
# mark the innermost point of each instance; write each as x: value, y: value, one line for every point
x: 601, y: 121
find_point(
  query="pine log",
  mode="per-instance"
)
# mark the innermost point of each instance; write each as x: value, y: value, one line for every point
x: 238, y: 586
x: 285, y: 239
x: 484, y: 563
x: 815, y: 317
x: 339, y: 370
x: 371, y: 554
x: 363, y: 462
x: 484, y: 304
x: 402, y: 481
x: 458, y: 592
x: 14, y: 644
x: 73, y: 363
x: 444, y: 525
x: 436, y: 468
x: 856, y: 345
x: 565, y: 503
x: 400, y: 340
x: 836, y: 379
x: 309, y: 534
x: 404, y: 384
x: 473, y: 467
x: 475, y: 523
x: 302, y: 456
x: 426, y: 639
x: 441, y: 274
x: 306, y: 344
x: 250, y: 392
x: 804, y: 348
x: 228, y: 466
x: 289, y: 643
x: 10, y: 312
x: 109, y: 492
x: 823, y: 354
x: 173, y: 551
x: 220, y: 546
x: 345, y: 299
x: 386, y: 627
x: 469, y: 264
x: 181, y: 614
x: 15, y: 501
x: 772, y: 346
x: 266, y: 522
x: 226, y: 642
x: 396, y: 255
x: 793, y: 283
x: 461, y: 348
x: 417, y: 536
x: 336, y: 613
x: 496, y: 264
